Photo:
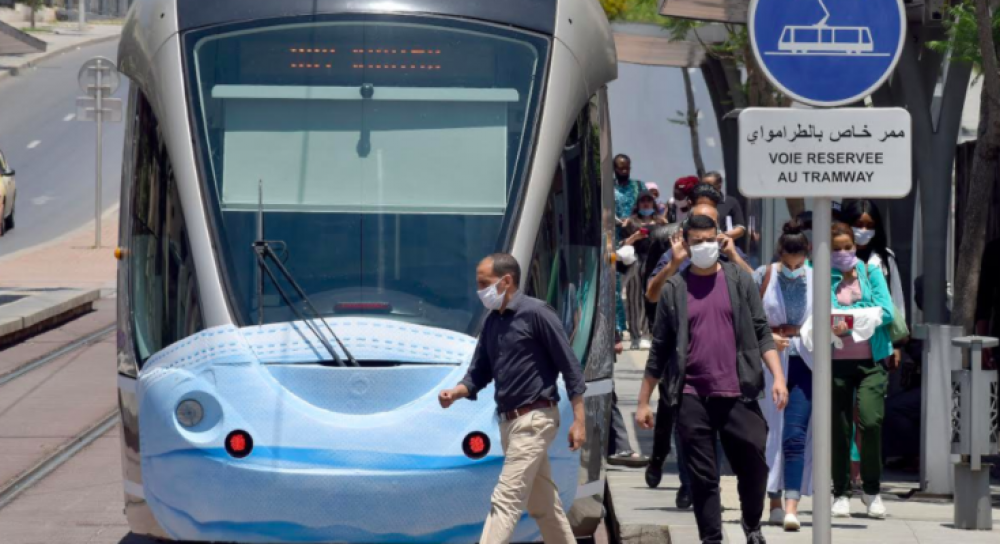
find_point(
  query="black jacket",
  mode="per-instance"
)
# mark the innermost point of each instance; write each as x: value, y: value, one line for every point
x: 668, y: 354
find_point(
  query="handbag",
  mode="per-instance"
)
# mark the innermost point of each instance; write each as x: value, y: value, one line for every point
x: 898, y: 330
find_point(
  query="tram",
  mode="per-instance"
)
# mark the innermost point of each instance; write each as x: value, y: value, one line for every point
x: 307, y: 189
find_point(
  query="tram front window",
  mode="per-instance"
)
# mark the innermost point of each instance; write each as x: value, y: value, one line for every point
x: 390, y: 152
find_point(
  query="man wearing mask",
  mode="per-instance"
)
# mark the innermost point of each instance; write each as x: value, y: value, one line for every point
x: 675, y: 260
x: 524, y: 349
x: 710, y: 336
x: 731, y: 218
x: 679, y: 206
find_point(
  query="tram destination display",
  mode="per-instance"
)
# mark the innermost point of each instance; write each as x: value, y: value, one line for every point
x: 794, y: 153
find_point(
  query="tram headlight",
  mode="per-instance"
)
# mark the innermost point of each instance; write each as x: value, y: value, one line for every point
x: 190, y: 413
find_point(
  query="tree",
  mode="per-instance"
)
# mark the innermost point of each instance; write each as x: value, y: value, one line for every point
x: 690, y: 120
x: 972, y: 30
x: 34, y: 5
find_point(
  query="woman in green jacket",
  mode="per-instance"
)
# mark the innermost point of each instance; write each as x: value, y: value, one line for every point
x: 859, y: 371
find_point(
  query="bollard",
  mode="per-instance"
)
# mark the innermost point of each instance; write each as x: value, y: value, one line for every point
x: 975, y: 434
x: 940, y: 359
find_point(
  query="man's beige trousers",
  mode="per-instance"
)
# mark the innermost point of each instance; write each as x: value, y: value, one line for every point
x: 526, y: 480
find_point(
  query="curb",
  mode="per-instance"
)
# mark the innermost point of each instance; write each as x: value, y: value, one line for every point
x: 51, y: 54
x: 38, y: 312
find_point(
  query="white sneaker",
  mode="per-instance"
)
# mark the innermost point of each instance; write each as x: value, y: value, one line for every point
x: 645, y: 344
x: 777, y: 517
x: 841, y: 507
x: 792, y: 523
x: 876, y: 509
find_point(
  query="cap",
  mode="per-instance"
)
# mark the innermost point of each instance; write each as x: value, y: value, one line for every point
x: 652, y: 186
x: 685, y: 184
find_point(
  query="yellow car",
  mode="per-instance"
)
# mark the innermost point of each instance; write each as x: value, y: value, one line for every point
x: 8, y: 193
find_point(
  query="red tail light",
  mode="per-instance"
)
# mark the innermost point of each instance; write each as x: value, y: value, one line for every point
x: 239, y: 444
x: 476, y: 445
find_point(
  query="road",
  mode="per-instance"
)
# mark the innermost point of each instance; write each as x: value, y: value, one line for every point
x: 53, y: 154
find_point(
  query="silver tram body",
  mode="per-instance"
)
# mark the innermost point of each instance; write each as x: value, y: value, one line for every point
x: 368, y: 153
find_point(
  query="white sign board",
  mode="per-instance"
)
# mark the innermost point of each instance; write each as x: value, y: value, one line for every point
x: 847, y: 152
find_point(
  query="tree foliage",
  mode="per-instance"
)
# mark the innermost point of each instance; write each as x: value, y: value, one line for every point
x: 613, y: 8
x: 962, y: 40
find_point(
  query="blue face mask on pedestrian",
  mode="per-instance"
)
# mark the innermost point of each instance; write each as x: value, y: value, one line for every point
x: 646, y: 212
x: 796, y: 274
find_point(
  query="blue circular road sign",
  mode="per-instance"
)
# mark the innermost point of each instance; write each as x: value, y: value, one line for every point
x: 827, y: 52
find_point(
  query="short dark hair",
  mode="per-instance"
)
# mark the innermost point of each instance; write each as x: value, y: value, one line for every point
x: 504, y: 264
x: 699, y: 222
x: 621, y: 156
x: 714, y: 175
x: 704, y: 190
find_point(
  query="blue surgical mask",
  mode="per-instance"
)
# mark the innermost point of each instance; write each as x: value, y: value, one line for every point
x: 796, y: 274
x: 646, y: 212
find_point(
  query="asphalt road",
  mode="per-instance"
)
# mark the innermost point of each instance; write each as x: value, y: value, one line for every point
x: 53, y: 154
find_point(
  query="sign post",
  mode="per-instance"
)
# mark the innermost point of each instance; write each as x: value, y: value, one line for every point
x: 99, y: 79
x: 825, y: 53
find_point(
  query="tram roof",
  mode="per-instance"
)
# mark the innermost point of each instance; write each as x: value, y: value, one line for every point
x: 537, y: 15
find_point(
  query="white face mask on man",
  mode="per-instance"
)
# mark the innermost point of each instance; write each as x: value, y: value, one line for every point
x: 491, y: 297
x: 705, y: 254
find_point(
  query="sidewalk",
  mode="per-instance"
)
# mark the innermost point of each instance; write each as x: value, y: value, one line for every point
x: 641, y: 510
x: 64, y: 37
x: 70, y: 261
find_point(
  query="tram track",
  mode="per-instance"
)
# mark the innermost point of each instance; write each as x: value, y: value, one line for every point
x: 54, y: 355
x: 48, y: 464
x: 53, y: 408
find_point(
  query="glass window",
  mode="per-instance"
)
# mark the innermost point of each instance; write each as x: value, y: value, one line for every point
x: 565, y: 264
x: 165, y: 297
x: 389, y: 152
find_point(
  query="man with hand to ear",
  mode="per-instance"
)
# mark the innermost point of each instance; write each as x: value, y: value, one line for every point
x: 709, y: 338
x: 524, y: 348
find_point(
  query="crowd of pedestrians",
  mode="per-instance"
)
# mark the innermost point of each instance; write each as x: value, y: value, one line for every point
x: 730, y: 354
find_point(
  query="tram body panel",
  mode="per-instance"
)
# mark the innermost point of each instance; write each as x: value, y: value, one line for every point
x: 330, y: 461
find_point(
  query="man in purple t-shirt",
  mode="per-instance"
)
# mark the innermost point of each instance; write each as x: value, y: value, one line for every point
x: 710, y: 336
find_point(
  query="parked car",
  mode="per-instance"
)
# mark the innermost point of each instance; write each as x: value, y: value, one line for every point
x: 8, y: 195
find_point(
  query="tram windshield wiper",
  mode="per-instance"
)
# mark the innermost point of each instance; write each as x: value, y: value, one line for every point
x: 263, y: 251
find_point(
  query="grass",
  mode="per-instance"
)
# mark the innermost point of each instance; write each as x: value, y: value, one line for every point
x: 37, y: 30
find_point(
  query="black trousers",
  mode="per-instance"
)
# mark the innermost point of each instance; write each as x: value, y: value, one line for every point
x: 663, y: 429
x: 743, y: 432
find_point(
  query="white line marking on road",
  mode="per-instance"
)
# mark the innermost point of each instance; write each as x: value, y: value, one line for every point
x: 69, y: 117
x: 42, y: 200
x: 34, y: 144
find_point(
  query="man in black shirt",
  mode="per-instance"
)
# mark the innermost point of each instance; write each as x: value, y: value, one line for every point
x: 731, y: 220
x: 524, y: 348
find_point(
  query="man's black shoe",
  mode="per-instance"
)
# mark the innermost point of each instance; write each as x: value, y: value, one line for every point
x: 683, y: 498
x: 754, y: 536
x: 654, y: 472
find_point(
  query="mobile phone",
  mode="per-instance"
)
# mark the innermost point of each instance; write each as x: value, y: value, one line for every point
x: 848, y: 319
x: 645, y: 231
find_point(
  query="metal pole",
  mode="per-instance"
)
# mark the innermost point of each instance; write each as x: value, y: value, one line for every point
x: 82, y: 6
x: 822, y: 423
x: 100, y: 115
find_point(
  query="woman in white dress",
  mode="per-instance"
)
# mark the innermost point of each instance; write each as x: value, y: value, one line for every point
x: 785, y: 289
